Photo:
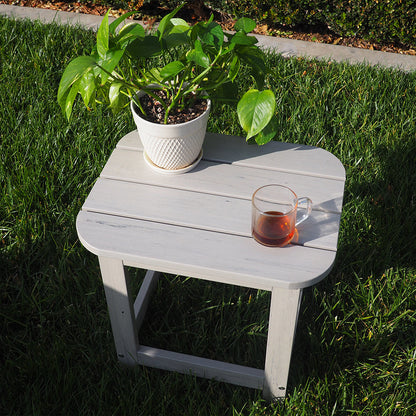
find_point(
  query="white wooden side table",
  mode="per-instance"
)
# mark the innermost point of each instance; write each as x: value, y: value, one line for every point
x: 198, y: 224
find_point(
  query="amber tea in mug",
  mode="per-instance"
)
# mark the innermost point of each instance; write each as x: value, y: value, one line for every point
x: 274, y: 211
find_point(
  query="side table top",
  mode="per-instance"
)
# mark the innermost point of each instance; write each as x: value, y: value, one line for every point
x: 198, y: 223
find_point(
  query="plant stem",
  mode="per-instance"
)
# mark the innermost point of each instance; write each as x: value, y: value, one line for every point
x: 203, y: 73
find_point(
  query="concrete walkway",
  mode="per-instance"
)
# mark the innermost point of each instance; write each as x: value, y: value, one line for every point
x: 287, y: 47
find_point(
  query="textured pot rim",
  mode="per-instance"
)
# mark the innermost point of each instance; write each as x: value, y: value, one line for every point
x: 134, y: 109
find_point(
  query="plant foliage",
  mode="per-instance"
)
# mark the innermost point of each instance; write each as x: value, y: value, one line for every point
x: 194, y: 62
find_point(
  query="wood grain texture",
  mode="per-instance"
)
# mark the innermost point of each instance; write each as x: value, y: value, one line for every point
x: 201, y: 367
x: 225, y: 180
x: 203, y: 254
x: 120, y: 308
x: 199, y: 210
x: 284, y: 310
x: 274, y: 155
x: 300, y: 167
x: 199, y: 223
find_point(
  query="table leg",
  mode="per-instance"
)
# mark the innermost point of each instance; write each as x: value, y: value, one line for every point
x: 284, y: 308
x: 120, y: 308
x: 142, y: 301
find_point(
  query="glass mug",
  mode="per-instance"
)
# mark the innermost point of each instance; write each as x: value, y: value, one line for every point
x: 274, y: 209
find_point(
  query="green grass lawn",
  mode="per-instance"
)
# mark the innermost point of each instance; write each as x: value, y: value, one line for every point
x: 355, y: 348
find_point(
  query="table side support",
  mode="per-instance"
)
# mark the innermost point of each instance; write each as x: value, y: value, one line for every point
x: 143, y: 297
x: 201, y: 367
x: 284, y: 311
x: 120, y: 308
x: 124, y: 317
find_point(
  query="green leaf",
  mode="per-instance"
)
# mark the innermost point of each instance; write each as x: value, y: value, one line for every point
x: 176, y: 21
x: 175, y: 33
x: 217, y: 76
x: 109, y: 62
x: 225, y: 93
x: 115, y: 96
x: 255, y: 110
x: 165, y: 22
x: 171, y: 69
x: 113, y: 26
x: 229, y: 49
x: 245, y: 24
x: 154, y: 76
x: 198, y: 56
x: 103, y: 36
x: 254, y: 58
x: 240, y: 38
x: 212, y: 34
x: 72, y: 73
x: 129, y: 33
x: 87, y: 87
x: 144, y: 48
x: 268, y: 133
x: 70, y: 98
x: 175, y: 38
x: 234, y: 68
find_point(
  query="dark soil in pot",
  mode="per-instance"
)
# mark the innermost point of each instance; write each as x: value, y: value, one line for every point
x: 155, y: 112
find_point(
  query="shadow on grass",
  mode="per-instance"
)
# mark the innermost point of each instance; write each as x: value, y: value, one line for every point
x: 370, y: 279
x: 361, y: 317
x: 384, y: 231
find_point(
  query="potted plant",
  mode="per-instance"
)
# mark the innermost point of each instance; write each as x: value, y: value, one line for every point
x: 170, y: 76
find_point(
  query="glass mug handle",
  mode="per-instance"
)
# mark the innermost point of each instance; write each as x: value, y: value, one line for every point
x: 306, y: 206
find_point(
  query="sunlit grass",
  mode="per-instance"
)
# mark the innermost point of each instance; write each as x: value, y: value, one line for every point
x: 355, y: 347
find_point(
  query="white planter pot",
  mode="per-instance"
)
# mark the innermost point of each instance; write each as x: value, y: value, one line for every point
x: 172, y: 147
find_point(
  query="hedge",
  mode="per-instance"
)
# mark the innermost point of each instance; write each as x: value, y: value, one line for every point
x: 378, y: 20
